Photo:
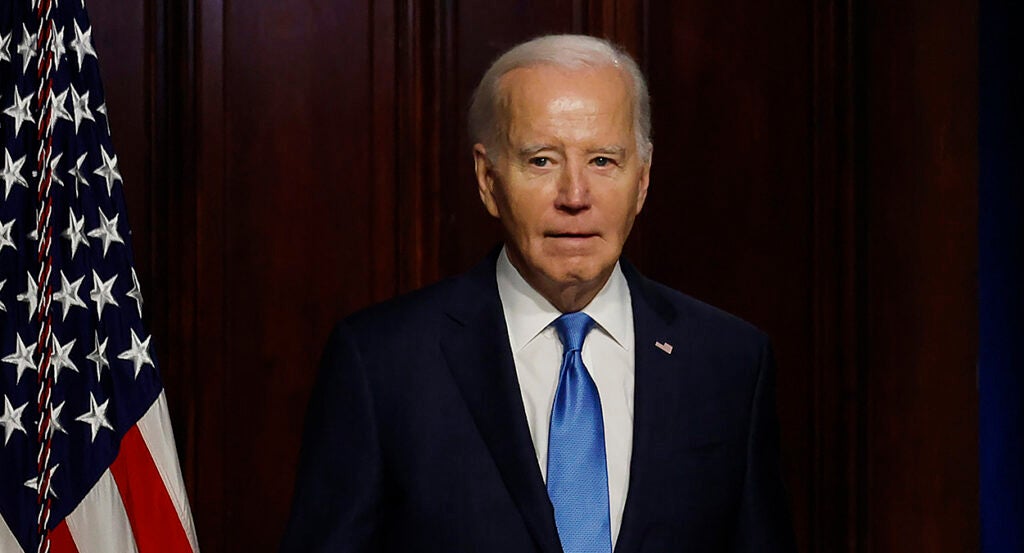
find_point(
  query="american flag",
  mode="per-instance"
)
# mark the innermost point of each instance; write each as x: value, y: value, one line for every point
x: 87, y: 457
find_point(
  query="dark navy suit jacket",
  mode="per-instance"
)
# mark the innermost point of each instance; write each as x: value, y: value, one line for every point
x: 416, y: 437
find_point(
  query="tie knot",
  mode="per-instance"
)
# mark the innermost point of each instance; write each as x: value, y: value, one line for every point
x: 572, y: 328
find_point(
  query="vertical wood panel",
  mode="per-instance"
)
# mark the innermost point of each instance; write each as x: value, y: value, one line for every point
x: 922, y: 186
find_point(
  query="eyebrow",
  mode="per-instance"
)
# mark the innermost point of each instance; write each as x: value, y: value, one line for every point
x: 611, y: 150
x: 531, y: 150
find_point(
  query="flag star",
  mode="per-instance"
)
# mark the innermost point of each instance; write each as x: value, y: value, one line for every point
x: 108, y: 170
x: 75, y: 231
x: 82, y: 44
x: 20, y: 110
x: 12, y: 173
x: 27, y: 48
x: 80, y: 105
x: 136, y: 292
x: 138, y: 354
x: 96, y: 416
x: 68, y: 294
x: 5, y: 47
x: 55, y: 424
x: 58, y: 106
x: 58, y: 48
x: 102, y: 293
x: 10, y: 420
x: 107, y: 231
x: 21, y: 358
x: 5, y: 235
x: 106, y: 118
x: 54, y: 176
x: 33, y: 482
x: 76, y: 172
x: 31, y: 295
x: 99, y: 356
x: 60, y: 357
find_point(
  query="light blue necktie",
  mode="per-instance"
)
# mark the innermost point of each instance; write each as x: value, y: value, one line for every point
x: 577, y: 469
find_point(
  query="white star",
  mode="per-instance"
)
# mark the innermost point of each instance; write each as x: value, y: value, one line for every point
x: 58, y: 48
x: 136, y: 292
x: 96, y: 416
x: 54, y: 176
x: 5, y: 235
x: 74, y: 232
x: 55, y: 425
x: 108, y: 170
x: 21, y: 358
x: 20, y: 110
x: 99, y: 356
x: 138, y: 354
x: 107, y: 231
x: 106, y: 118
x: 76, y: 172
x: 102, y: 293
x: 33, y: 482
x: 5, y: 47
x: 12, y: 173
x: 68, y: 294
x: 31, y: 295
x: 82, y: 44
x: 58, y: 107
x: 2, y: 306
x: 60, y: 357
x: 10, y: 420
x: 80, y: 105
x: 27, y: 48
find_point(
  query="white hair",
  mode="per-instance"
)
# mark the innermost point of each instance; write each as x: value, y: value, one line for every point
x: 487, y: 124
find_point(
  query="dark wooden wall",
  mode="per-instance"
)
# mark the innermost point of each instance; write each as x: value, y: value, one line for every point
x: 815, y: 172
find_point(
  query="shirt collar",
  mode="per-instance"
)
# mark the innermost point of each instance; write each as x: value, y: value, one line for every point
x: 527, y: 313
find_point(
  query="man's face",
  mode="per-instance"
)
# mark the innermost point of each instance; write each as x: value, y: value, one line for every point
x: 569, y: 181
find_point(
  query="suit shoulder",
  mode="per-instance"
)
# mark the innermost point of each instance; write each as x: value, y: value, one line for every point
x: 714, y: 321
x: 409, y: 314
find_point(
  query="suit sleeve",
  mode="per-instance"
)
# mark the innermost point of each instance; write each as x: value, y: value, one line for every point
x: 764, y: 524
x: 338, y: 484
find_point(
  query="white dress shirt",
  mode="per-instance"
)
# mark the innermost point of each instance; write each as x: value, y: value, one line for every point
x: 607, y: 354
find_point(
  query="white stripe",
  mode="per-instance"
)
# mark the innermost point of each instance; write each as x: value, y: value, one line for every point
x: 155, y: 427
x: 100, y: 524
x: 8, y: 543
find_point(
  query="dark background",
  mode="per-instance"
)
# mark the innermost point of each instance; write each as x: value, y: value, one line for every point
x: 816, y: 169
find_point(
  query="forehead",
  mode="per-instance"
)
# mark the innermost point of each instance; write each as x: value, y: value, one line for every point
x: 543, y: 95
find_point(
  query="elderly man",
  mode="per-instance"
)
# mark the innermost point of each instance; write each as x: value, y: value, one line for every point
x: 551, y: 399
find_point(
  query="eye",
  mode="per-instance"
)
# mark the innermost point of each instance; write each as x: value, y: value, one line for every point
x: 539, y: 161
x: 602, y: 161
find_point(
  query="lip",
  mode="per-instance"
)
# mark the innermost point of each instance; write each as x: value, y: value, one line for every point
x: 570, y: 235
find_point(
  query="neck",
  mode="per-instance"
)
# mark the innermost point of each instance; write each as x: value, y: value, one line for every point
x: 567, y: 297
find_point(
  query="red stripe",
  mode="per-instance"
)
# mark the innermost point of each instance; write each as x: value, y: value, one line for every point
x: 154, y: 520
x: 60, y: 539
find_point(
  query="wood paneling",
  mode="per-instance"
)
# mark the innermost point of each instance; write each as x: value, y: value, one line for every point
x: 289, y: 163
x: 921, y: 182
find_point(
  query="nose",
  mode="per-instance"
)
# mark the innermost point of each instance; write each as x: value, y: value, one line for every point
x: 573, y: 189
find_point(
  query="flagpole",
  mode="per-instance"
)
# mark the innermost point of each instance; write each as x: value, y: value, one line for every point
x: 44, y: 234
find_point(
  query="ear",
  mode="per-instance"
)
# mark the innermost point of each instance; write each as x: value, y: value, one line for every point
x: 485, y: 180
x: 645, y: 181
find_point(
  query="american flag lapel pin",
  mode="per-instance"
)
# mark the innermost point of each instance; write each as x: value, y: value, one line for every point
x: 664, y: 346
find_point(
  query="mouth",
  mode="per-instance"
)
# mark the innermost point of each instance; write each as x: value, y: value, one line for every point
x: 570, y: 235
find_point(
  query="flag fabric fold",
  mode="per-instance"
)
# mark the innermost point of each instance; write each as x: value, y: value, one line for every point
x: 87, y: 456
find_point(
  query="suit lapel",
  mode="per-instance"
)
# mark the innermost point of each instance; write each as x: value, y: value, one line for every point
x: 657, y: 374
x: 477, y: 350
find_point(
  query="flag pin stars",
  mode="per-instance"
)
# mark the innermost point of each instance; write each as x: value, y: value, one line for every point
x: 664, y: 346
